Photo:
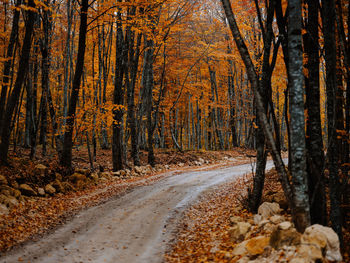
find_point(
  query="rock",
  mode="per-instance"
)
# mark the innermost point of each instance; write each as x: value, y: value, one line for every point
x: 262, y: 223
x: 284, y: 235
x: 166, y: 167
x: 8, y: 201
x: 27, y: 190
x: 300, y: 260
x: 240, y: 249
x: 41, y: 191
x: 257, y: 245
x: 181, y: 164
x: 3, y: 210
x: 82, y: 171
x: 58, y: 177
x: 239, y: 231
x: 127, y: 171
x: 6, y: 192
x: 138, y: 169
x: 3, y: 180
x: 267, y: 209
x: 201, y: 160
x: 285, y: 225
x: 58, y: 186
x: 235, y: 219
x: 16, y: 193
x: 316, y: 233
x: 74, y: 178
x: 117, y: 173
x: 67, y: 187
x: 50, y: 189
x: 276, y: 219
x: 40, y: 169
x: 257, y: 219
x: 281, y: 200
x: 310, y: 251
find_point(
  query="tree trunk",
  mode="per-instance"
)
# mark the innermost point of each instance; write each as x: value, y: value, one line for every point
x: 314, y: 142
x: 66, y: 158
x: 15, y: 94
x: 7, y: 65
x: 328, y: 19
x: 242, y: 48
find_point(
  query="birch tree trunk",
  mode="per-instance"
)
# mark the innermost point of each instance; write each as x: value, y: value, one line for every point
x: 297, y: 120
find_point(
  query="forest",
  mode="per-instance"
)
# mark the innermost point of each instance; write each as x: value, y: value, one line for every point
x: 133, y: 77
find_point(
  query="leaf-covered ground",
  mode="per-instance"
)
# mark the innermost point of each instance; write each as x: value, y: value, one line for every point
x: 38, y: 215
x: 203, y: 234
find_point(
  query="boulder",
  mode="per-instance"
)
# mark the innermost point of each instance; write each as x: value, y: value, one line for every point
x: 239, y: 231
x: 58, y: 177
x: 310, y: 251
x: 276, y: 219
x: 257, y: 245
x: 82, y: 171
x: 257, y: 219
x: 3, y: 180
x: 138, y: 169
x: 27, y: 190
x: 8, y: 201
x: 316, y: 234
x: 3, y: 210
x: 284, y: 235
x: 67, y: 187
x: 40, y: 169
x: 299, y: 260
x: 280, y: 199
x: 58, y: 186
x: 16, y: 193
x: 41, y: 191
x: 240, y: 249
x: 267, y: 209
x: 74, y: 178
x: 235, y: 219
x: 50, y: 189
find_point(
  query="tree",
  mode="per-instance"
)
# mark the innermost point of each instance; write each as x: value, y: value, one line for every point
x: 301, y: 215
x: 66, y: 158
x: 14, y: 96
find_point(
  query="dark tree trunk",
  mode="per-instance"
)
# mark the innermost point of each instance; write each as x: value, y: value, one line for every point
x: 314, y: 142
x: 118, y: 99
x: 328, y: 19
x: 7, y: 65
x: 66, y: 158
x: 253, y: 78
x: 13, y: 98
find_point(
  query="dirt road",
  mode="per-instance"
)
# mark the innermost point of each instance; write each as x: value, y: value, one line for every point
x: 133, y: 228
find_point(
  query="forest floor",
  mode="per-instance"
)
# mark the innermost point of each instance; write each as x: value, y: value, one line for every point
x: 131, y: 221
x: 203, y: 235
x: 31, y: 217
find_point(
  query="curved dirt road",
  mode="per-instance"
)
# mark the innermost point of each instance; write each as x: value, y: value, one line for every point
x: 133, y: 228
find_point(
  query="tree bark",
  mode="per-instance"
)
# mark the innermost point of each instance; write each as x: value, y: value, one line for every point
x: 66, y: 158
x: 15, y: 94
x: 297, y: 146
x: 242, y: 48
